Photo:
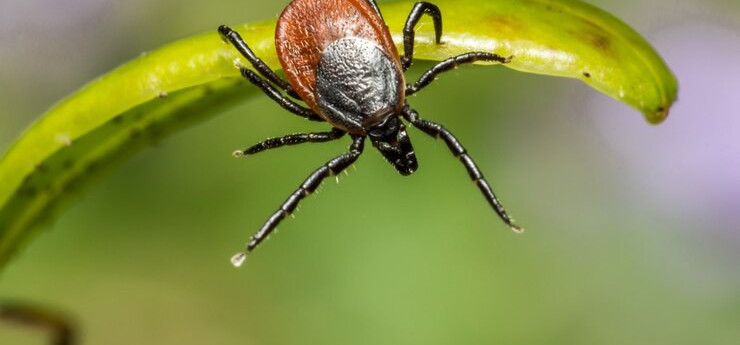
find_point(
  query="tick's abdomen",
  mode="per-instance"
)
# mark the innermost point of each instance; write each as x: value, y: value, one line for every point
x: 357, y: 84
x: 305, y: 31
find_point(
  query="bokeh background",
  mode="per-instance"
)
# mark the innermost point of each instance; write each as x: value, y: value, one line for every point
x: 632, y: 230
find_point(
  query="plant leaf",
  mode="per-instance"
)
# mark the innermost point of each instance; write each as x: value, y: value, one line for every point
x: 192, y: 79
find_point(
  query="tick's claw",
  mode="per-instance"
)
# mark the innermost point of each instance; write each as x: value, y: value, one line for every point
x: 238, y: 259
x: 516, y: 229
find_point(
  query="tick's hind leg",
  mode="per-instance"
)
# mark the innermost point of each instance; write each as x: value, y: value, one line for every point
x: 331, y: 168
x: 293, y: 139
x: 420, y: 8
x: 236, y: 40
x: 438, y: 131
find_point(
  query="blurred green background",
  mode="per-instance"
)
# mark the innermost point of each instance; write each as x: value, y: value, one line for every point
x: 632, y: 230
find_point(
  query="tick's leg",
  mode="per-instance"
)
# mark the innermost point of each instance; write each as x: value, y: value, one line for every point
x: 438, y: 131
x: 374, y: 5
x: 278, y: 97
x: 331, y: 168
x: 293, y: 139
x: 420, y: 8
x: 236, y: 40
x: 450, y: 64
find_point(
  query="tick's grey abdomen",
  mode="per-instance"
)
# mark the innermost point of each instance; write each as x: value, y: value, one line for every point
x: 357, y: 84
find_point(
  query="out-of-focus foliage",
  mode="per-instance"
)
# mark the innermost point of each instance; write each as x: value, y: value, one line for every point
x: 631, y: 228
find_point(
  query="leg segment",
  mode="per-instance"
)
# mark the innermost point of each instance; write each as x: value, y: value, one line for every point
x: 278, y: 97
x: 293, y: 139
x: 374, y: 5
x: 438, y: 131
x: 420, y: 8
x: 331, y: 168
x: 236, y: 40
x: 451, y: 63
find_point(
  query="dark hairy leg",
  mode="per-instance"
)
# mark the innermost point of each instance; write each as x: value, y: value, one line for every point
x: 260, y: 66
x: 438, y: 131
x: 331, y: 168
x: 430, y: 75
x: 292, y: 139
x: 420, y: 8
x: 374, y: 5
x: 278, y: 97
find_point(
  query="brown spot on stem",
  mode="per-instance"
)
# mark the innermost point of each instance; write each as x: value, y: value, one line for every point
x: 599, y: 41
x: 505, y: 24
x: 592, y: 34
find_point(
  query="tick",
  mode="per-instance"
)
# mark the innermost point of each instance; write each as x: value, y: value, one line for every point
x: 340, y: 61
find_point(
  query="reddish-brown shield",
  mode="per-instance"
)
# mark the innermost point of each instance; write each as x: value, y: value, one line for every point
x: 307, y: 27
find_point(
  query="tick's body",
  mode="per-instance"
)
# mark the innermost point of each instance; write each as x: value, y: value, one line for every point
x: 340, y: 60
